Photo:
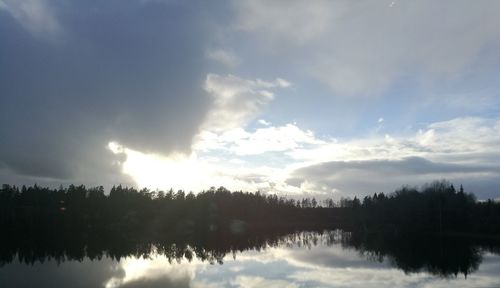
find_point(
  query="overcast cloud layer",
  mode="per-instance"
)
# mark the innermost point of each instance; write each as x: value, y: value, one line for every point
x: 77, y: 75
x: 336, y: 98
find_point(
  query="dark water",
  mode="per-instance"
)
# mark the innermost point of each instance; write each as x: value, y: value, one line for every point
x: 271, y: 259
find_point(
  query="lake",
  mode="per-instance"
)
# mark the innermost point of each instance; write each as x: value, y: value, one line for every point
x: 329, y: 258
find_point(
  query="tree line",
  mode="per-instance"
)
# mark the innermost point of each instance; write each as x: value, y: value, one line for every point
x: 437, y: 207
x: 434, y: 208
x: 38, y: 209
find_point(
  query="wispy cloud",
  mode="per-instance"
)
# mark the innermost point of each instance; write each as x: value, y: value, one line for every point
x: 225, y: 57
x: 35, y: 15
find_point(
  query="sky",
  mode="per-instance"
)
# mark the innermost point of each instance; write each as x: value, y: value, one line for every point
x: 331, y: 98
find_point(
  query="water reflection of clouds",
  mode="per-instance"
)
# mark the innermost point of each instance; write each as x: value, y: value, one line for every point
x: 333, y: 257
x: 256, y: 281
x: 285, y: 267
x: 152, y: 272
x: 66, y: 274
x: 273, y: 267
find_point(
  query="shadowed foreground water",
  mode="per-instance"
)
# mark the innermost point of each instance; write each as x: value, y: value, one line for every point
x: 258, y: 259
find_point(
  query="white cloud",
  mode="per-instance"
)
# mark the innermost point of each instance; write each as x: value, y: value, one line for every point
x: 468, y: 135
x: 177, y: 171
x: 226, y: 57
x: 303, y: 163
x: 236, y: 100
x: 463, y: 150
x: 306, y: 164
x: 363, y: 47
x: 264, y: 122
x: 269, y: 139
x: 467, y: 139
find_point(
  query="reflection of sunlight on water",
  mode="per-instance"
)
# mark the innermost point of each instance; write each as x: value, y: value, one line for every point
x: 133, y: 268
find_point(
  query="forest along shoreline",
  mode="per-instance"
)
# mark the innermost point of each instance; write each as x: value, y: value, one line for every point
x: 436, y: 228
x: 437, y: 208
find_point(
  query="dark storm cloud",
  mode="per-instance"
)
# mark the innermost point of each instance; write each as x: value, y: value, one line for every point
x: 369, y: 176
x: 125, y: 71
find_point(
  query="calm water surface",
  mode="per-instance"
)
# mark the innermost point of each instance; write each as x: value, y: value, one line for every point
x: 303, y: 259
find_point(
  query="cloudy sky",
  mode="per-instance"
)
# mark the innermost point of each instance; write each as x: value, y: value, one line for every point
x: 325, y: 97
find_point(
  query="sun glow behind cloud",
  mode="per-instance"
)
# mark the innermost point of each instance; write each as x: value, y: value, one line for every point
x: 150, y: 170
x: 291, y: 161
x: 241, y: 159
x: 236, y: 102
x: 194, y: 173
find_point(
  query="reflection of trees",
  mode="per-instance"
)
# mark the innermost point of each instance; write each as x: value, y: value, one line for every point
x: 211, y: 247
x: 444, y: 257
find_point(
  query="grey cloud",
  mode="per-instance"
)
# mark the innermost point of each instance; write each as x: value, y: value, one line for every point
x: 125, y: 71
x: 252, y: 177
x: 363, y: 47
x: 366, y: 177
x: 408, y: 165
